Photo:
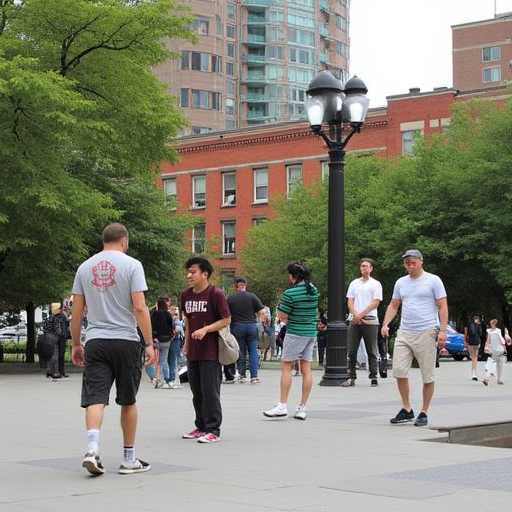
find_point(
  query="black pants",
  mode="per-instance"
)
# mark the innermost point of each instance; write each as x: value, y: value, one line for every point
x: 369, y: 334
x: 61, y: 357
x: 204, y: 378
x: 230, y: 371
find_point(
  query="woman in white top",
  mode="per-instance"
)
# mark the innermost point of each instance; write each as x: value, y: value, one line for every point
x: 495, y: 347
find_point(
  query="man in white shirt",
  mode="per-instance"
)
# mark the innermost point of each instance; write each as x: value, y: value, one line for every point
x: 422, y: 331
x: 363, y: 298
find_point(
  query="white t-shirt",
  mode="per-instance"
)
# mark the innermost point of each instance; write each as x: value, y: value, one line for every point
x: 363, y: 292
x: 419, y: 301
x: 107, y: 281
x: 496, y: 341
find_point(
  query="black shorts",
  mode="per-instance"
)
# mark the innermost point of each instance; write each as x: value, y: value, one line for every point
x: 108, y: 361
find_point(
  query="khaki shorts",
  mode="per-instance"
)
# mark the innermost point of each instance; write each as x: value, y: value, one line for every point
x: 419, y: 345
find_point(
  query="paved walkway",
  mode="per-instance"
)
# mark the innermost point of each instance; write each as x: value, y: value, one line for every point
x: 345, y: 456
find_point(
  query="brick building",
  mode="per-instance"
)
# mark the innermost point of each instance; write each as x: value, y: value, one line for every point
x: 226, y: 178
x: 482, y: 53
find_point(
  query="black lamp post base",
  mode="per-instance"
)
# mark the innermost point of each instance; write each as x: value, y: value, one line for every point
x: 333, y: 382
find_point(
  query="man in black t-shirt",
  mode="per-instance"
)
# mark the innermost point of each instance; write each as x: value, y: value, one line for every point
x: 246, y: 310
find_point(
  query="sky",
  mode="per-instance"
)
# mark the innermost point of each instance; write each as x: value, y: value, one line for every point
x: 399, y: 44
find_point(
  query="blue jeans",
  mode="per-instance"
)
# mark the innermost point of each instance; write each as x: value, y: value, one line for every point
x: 164, y: 365
x: 247, y: 337
x: 174, y: 357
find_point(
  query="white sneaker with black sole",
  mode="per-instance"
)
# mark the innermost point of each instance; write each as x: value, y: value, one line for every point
x: 92, y: 463
x: 139, y: 466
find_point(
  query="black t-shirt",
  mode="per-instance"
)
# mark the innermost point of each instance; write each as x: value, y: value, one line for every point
x: 243, y: 306
x: 474, y: 333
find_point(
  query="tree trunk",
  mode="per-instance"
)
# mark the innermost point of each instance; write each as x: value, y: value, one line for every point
x: 31, y: 332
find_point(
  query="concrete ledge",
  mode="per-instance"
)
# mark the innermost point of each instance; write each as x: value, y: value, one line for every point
x: 497, y: 433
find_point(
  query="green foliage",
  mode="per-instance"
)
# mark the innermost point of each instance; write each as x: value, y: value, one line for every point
x: 84, y: 124
x: 298, y: 232
x: 452, y: 200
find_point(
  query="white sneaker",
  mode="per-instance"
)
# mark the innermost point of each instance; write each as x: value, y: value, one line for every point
x: 278, y: 411
x: 300, y: 412
x: 166, y: 386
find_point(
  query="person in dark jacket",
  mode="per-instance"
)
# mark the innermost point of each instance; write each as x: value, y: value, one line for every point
x: 163, y: 330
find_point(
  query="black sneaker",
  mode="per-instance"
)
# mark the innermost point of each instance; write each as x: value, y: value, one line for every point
x: 402, y: 417
x: 92, y: 463
x: 374, y: 383
x: 421, y: 420
x: 139, y: 467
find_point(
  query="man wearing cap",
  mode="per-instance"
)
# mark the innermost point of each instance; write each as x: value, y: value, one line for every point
x: 246, y: 308
x: 363, y: 298
x: 422, y: 331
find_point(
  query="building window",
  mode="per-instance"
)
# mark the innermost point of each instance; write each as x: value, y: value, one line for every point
x: 170, y: 191
x: 491, y: 74
x: 198, y: 130
x: 200, y: 99
x: 256, y: 221
x: 202, y: 26
x: 408, y: 141
x: 230, y: 50
x: 340, y: 22
x: 230, y: 106
x: 260, y: 185
x: 184, y: 97
x: 491, y: 53
x: 198, y: 238
x: 274, y: 72
x: 228, y: 237
x: 230, y: 31
x: 216, y: 100
x: 219, y: 26
x: 216, y: 64
x: 230, y: 124
x: 230, y: 8
x: 199, y: 191
x: 229, y: 189
x: 325, y: 171
x: 275, y: 15
x: 230, y: 68
x: 293, y: 177
x: 230, y: 87
x: 275, y: 52
x: 341, y: 48
x: 185, y: 64
x: 200, y: 61
x: 227, y: 280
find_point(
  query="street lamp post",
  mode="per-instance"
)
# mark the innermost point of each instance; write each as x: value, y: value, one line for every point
x: 342, y: 110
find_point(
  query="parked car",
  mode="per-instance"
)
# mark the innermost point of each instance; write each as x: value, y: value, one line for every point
x: 454, y: 346
x: 15, y: 333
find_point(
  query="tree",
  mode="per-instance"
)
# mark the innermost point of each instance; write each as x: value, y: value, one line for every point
x: 77, y: 94
x: 451, y: 200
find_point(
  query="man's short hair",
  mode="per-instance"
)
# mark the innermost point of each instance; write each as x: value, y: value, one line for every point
x: 203, y: 264
x: 239, y: 280
x: 114, y: 232
x: 368, y: 260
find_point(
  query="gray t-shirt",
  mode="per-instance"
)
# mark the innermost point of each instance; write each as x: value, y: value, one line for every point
x: 107, y: 281
x: 419, y: 306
